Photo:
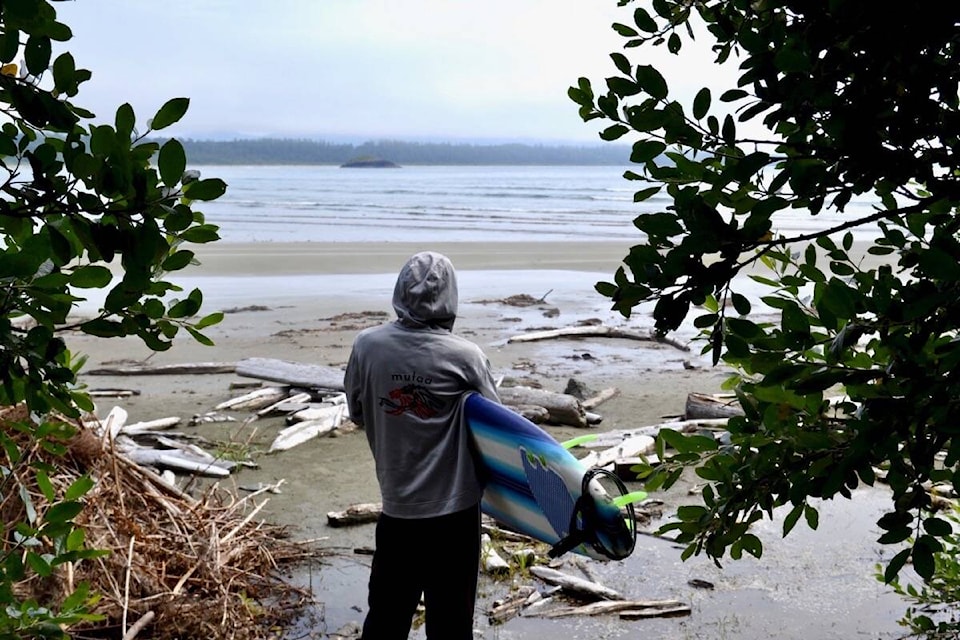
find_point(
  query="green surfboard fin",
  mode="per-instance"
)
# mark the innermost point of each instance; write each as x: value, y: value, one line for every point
x: 630, y: 498
x: 579, y: 440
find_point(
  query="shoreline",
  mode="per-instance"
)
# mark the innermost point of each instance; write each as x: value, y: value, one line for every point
x: 305, y: 302
x: 290, y: 258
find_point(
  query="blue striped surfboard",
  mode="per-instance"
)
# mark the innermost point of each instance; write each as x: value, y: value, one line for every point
x: 533, y: 483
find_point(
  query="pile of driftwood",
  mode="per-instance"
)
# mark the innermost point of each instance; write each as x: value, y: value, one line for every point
x: 311, y: 399
x: 562, y: 594
x: 178, y: 566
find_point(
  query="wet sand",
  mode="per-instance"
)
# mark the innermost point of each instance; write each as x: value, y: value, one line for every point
x: 305, y: 302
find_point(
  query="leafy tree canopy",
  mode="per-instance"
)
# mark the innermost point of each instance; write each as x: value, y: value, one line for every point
x: 860, y: 101
x: 82, y: 206
x: 77, y: 197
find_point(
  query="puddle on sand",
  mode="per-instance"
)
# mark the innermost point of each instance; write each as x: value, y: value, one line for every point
x: 812, y: 584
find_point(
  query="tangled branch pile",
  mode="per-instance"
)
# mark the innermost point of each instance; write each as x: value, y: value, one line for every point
x: 181, y: 567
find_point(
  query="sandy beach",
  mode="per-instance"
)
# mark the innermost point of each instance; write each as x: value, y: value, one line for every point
x: 305, y: 302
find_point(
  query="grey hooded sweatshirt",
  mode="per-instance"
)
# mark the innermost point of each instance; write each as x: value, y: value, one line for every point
x: 404, y: 382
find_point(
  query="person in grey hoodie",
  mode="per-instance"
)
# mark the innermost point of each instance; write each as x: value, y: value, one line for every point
x: 404, y: 383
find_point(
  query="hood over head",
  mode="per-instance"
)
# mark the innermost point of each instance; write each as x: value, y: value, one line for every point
x: 425, y: 295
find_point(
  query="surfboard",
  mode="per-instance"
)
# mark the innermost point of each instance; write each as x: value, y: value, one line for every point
x: 534, y: 485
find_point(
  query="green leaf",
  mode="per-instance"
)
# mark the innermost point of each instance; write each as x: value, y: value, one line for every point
x: 646, y: 150
x: 63, y: 512
x: 701, y: 103
x: 78, y: 488
x: 651, y: 81
x: 691, y: 512
x: 46, y: 487
x: 937, y: 527
x: 91, y: 277
x: 751, y: 544
x: 199, y: 337
x: 614, y: 132
x: 37, y: 54
x: 209, y: 189
x: 791, y: 520
x: 102, y: 328
x: 210, y: 320
x: 178, y: 260
x: 172, y: 162
x: 39, y: 565
x: 643, y: 20
x: 169, y: 113
x: 645, y: 194
x: 923, y: 560
x: 733, y: 95
x: 729, y: 130
x: 125, y: 120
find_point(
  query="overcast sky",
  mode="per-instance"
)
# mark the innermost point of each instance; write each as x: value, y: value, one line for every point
x: 448, y: 70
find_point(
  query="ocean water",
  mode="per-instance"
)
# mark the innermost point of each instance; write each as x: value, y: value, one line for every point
x: 441, y: 204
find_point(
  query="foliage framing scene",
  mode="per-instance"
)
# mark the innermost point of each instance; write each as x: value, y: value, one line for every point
x: 846, y: 365
x: 84, y: 206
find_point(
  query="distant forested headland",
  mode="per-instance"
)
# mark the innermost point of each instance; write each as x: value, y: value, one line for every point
x: 291, y: 151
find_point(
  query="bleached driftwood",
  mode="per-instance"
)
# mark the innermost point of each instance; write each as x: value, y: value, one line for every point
x: 628, y: 448
x: 300, y: 432
x: 254, y: 400
x: 506, y: 608
x: 601, y: 397
x: 151, y: 425
x: 111, y: 426
x: 615, y: 606
x: 613, y: 438
x: 317, y: 411
x: 491, y: 562
x: 172, y: 459
x: 210, y: 417
x: 575, y: 586
x: 362, y: 513
x: 298, y: 374
x: 598, y: 331
x: 164, y: 369
x: 489, y: 526
x: 113, y: 393
x: 562, y: 408
x: 286, y: 405
x: 655, y: 612
x: 703, y: 405
x: 196, y: 453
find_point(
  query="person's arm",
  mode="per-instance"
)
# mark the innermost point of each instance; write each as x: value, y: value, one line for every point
x: 486, y: 385
x: 351, y: 385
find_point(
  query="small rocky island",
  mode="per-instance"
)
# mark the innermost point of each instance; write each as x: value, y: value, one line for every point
x: 369, y: 162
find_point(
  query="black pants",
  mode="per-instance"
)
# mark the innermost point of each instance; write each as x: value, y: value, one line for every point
x: 436, y: 557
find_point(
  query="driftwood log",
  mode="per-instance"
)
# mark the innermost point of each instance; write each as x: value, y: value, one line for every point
x: 254, y: 400
x: 574, y: 585
x: 600, y: 397
x: 297, y: 374
x: 164, y: 369
x: 703, y: 405
x: 509, y: 607
x: 491, y: 562
x: 628, y: 448
x: 300, y: 432
x: 616, y: 437
x: 362, y: 513
x: 562, y: 408
x: 648, y: 608
x: 598, y: 331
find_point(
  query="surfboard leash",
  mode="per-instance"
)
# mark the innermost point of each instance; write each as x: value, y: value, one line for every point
x: 586, y: 523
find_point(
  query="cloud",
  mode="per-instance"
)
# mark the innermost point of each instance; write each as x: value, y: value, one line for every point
x: 364, y: 68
